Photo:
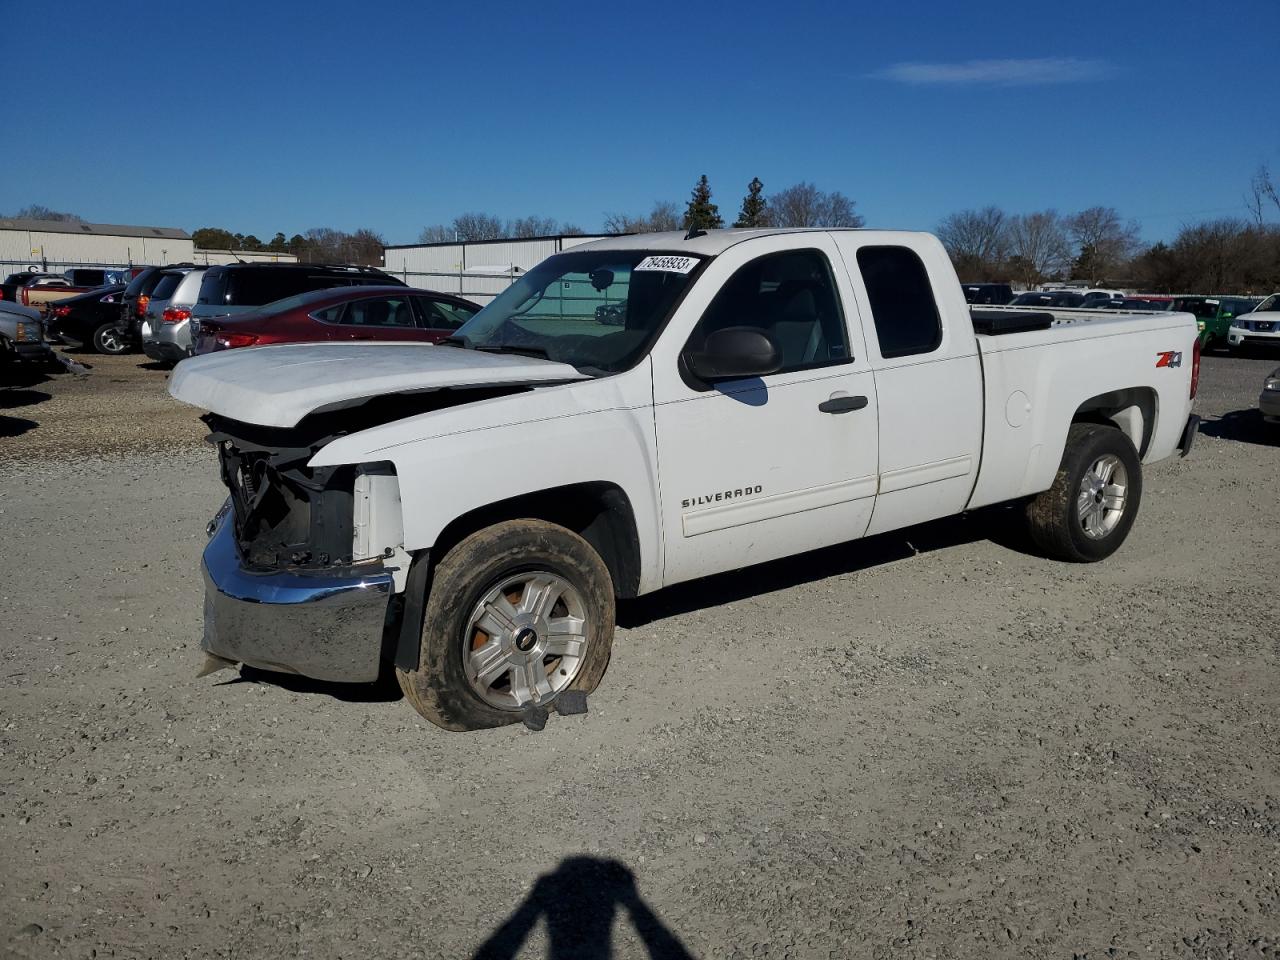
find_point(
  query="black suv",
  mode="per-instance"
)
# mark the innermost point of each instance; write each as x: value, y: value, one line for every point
x: 240, y: 287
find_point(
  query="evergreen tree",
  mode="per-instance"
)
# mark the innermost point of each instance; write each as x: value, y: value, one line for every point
x: 702, y: 214
x: 754, y: 212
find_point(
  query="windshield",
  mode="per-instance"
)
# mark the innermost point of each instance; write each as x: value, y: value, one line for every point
x: 1271, y: 303
x: 597, y: 309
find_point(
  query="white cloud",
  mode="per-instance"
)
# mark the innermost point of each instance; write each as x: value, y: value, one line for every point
x: 1000, y: 73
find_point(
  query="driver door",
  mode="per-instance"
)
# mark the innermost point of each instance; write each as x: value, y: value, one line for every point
x: 759, y: 468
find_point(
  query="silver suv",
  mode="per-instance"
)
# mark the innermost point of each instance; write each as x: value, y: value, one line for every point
x: 166, y: 326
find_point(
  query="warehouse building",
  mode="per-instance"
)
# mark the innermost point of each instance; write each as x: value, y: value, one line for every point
x: 56, y: 245
x: 476, y: 269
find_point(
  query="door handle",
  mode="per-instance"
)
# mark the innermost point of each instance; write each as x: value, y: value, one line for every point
x: 842, y: 404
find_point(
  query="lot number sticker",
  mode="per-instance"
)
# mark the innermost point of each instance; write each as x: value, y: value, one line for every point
x: 669, y: 264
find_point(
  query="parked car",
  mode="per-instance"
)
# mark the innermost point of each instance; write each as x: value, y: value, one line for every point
x: 1213, y: 316
x: 1259, y: 327
x: 9, y: 289
x: 90, y: 320
x: 996, y: 294
x: 1047, y: 298
x: 1269, y: 399
x: 240, y: 287
x: 166, y: 324
x: 1144, y: 302
x: 345, y: 313
x: 133, y: 304
x: 1100, y: 299
x: 1091, y: 294
x: 22, y: 338
x: 473, y: 510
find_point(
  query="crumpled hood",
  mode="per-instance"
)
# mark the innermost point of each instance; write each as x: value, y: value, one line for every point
x: 276, y: 386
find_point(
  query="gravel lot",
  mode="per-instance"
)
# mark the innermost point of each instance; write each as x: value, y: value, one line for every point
x: 931, y: 744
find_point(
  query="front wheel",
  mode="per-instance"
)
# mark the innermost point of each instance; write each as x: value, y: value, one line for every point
x: 109, y: 339
x: 1088, y: 512
x: 518, y: 613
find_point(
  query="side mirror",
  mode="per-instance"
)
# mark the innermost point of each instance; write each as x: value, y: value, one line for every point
x: 734, y: 353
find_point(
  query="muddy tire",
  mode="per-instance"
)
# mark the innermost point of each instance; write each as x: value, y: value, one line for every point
x: 517, y: 613
x: 1088, y: 512
x: 110, y: 340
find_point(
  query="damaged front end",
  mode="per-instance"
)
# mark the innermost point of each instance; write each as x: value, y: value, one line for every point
x: 298, y: 570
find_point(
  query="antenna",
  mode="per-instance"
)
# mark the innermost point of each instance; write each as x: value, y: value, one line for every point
x: 695, y: 232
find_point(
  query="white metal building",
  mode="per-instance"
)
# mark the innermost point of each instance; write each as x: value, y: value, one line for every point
x: 55, y: 245
x: 241, y: 256
x: 478, y: 269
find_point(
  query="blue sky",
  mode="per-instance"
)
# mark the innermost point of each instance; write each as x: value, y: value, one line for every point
x: 266, y: 116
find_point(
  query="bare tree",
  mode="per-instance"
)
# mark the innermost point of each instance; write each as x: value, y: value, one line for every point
x: 366, y: 246
x: 526, y: 227
x: 437, y: 233
x: 1263, y: 193
x: 804, y: 205
x: 664, y: 216
x: 478, y: 226
x: 36, y: 211
x: 977, y: 241
x: 1104, y: 243
x: 1038, y: 246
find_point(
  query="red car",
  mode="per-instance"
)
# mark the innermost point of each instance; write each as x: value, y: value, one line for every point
x: 339, y: 313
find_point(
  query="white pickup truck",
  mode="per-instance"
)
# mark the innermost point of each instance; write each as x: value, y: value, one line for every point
x: 640, y: 411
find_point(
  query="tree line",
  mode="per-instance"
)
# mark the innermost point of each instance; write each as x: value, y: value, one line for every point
x: 1097, y: 246
x: 317, y: 245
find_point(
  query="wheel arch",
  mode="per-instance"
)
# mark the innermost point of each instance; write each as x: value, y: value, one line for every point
x: 598, y: 511
x: 1132, y: 410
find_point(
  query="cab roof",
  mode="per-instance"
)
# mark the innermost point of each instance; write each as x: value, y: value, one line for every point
x: 715, y: 242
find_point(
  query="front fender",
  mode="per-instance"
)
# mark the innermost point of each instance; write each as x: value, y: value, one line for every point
x: 451, y: 462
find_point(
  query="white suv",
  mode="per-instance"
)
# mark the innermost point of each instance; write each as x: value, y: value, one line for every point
x: 1258, y: 327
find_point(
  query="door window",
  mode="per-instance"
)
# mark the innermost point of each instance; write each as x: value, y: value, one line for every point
x: 442, y: 314
x: 790, y: 297
x: 902, y: 304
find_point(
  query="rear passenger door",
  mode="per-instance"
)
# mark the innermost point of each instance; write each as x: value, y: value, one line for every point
x: 928, y: 377
x: 379, y: 318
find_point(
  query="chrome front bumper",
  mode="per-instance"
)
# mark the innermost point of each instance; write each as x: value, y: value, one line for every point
x: 328, y: 626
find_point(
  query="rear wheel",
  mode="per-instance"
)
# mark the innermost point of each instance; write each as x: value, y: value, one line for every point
x: 518, y: 613
x: 110, y: 339
x: 1088, y: 512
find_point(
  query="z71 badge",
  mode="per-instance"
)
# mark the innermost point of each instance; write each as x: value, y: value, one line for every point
x: 1169, y: 358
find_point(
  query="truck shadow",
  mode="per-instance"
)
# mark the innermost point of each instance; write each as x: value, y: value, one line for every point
x: 1000, y: 525
x: 1246, y: 426
x: 578, y: 902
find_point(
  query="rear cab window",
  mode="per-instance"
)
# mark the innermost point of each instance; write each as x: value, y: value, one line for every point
x: 903, y: 308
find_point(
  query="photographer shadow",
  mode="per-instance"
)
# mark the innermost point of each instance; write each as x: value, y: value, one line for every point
x: 579, y: 902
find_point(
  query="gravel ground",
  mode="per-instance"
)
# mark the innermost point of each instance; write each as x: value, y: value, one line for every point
x: 932, y: 744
